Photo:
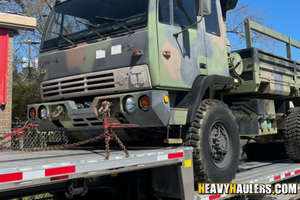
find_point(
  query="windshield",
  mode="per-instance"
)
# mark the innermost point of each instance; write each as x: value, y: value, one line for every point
x: 76, y: 21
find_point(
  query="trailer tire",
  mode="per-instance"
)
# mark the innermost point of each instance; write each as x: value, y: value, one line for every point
x: 292, y: 135
x: 214, y: 136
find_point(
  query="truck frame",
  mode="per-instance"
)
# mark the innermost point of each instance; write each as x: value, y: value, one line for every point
x: 170, y: 79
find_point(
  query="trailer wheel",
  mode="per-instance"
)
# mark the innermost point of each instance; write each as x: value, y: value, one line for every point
x: 292, y: 135
x: 214, y: 136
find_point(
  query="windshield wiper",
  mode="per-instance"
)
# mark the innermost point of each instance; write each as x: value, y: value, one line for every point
x: 91, y: 27
x: 65, y: 38
x: 116, y: 21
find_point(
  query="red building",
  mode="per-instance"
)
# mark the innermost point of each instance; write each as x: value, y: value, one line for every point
x: 9, y: 26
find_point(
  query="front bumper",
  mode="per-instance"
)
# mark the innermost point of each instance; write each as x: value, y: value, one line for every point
x: 87, y: 119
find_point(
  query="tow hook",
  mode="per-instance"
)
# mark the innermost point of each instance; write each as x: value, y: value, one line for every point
x: 58, y: 113
x: 104, y: 110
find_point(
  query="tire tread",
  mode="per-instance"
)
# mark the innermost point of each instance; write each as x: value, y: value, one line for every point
x: 193, y: 137
x: 292, y: 135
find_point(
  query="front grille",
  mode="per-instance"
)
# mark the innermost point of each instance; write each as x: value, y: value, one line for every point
x: 97, y: 83
x: 78, y: 85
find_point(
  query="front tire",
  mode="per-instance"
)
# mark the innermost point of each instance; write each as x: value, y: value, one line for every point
x: 214, y: 136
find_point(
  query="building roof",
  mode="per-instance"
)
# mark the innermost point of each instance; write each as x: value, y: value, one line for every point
x: 16, y: 22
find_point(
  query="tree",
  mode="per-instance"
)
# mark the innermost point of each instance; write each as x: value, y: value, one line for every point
x: 25, y: 90
x: 25, y: 80
x: 38, y: 9
x: 236, y: 29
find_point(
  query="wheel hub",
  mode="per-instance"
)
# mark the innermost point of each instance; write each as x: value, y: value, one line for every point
x: 219, y: 144
x: 223, y: 145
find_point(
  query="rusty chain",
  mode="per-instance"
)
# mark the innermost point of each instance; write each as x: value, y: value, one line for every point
x: 114, y: 135
x: 108, y: 134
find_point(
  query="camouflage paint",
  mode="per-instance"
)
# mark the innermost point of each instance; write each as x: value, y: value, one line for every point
x: 180, y: 69
x: 191, y: 48
x: 95, y: 83
x: 82, y: 59
x: 216, y: 47
x: 88, y: 121
x: 256, y: 116
x: 263, y: 74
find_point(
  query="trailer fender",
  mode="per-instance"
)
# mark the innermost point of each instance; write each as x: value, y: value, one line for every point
x: 194, y: 97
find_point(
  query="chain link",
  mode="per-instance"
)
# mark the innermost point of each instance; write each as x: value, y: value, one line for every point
x: 114, y: 135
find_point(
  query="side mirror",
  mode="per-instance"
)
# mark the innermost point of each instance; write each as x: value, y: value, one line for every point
x: 228, y: 5
x: 206, y: 7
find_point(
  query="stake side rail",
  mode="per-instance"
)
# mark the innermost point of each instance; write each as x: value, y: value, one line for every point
x: 32, y: 172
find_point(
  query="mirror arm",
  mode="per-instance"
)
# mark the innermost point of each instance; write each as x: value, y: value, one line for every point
x: 188, y: 27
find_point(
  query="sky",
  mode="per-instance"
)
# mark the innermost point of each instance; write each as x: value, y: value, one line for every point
x: 283, y: 17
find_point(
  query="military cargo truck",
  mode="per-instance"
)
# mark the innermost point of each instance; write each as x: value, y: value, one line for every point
x: 166, y: 67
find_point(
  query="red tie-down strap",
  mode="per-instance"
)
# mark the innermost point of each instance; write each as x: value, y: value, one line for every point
x: 4, y: 39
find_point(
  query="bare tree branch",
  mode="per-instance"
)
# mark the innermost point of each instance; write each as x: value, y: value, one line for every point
x: 238, y: 33
x: 19, y: 47
x: 48, y: 4
x: 235, y: 25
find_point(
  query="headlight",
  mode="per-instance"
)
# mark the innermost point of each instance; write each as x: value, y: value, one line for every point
x: 32, y: 113
x: 43, y: 113
x: 144, y: 103
x: 130, y: 105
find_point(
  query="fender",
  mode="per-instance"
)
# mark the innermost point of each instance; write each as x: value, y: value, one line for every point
x: 194, y: 97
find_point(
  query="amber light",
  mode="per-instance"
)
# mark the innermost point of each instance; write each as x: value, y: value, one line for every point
x: 42, y: 71
x: 32, y: 113
x: 166, y: 98
x: 138, y: 53
x: 167, y: 53
x: 145, y: 103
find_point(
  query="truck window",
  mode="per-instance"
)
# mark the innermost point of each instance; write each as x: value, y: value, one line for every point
x: 212, y: 21
x: 184, y: 12
x: 56, y: 26
x: 164, y: 11
x: 78, y: 20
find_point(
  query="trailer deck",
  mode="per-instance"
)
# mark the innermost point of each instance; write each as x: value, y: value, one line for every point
x: 21, y: 170
x: 24, y: 170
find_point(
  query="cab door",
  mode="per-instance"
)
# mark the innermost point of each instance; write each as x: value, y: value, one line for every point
x: 182, y: 58
x: 216, y: 41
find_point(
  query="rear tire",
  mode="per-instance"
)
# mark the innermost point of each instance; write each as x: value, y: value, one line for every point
x: 292, y: 135
x: 214, y: 136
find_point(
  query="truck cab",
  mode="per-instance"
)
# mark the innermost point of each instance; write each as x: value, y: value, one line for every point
x: 156, y: 62
x: 134, y: 58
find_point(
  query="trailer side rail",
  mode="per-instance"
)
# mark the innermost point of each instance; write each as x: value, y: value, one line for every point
x: 30, y: 172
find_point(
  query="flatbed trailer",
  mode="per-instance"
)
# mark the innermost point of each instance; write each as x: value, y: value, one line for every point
x: 25, y: 173
x: 165, y: 173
